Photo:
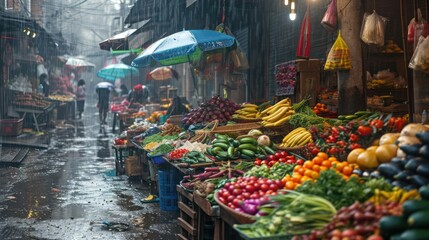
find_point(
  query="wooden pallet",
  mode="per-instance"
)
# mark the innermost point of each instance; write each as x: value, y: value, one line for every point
x: 188, y: 218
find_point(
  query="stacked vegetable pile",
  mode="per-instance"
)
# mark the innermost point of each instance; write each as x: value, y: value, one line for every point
x: 216, y: 108
x: 412, y: 171
x: 412, y: 223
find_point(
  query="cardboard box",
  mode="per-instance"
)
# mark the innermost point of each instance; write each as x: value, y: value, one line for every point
x: 312, y: 65
x: 133, y: 167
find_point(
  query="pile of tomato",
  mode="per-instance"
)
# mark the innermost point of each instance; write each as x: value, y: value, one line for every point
x: 177, y: 154
x: 279, y: 156
x: 234, y: 193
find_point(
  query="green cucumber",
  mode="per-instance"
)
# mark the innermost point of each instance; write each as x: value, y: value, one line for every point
x: 361, y: 113
x: 419, y: 219
x: 411, y: 206
x: 391, y: 225
x: 351, y: 117
x: 221, y: 136
x: 231, y: 151
x: 222, y: 155
x: 248, y: 146
x: 235, y: 143
x: 210, y: 151
x: 424, y: 192
x: 221, y: 145
x: 268, y: 150
x: 215, y: 150
x: 220, y: 141
x: 415, y: 234
x: 248, y: 152
x: 248, y: 140
x: 341, y: 117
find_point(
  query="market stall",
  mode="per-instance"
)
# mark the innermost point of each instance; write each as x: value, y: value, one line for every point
x: 258, y: 171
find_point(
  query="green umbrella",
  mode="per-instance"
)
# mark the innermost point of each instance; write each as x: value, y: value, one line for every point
x: 118, y: 70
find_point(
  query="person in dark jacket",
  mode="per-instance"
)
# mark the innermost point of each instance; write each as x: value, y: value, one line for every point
x: 176, y: 107
x: 43, y: 79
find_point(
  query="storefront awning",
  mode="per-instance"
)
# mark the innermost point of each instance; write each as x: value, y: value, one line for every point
x: 118, y: 41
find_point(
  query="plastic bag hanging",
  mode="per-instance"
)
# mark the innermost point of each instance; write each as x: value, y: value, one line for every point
x: 373, y: 28
x: 420, y: 59
x: 329, y: 20
x: 339, y: 56
x: 417, y: 29
x: 303, y: 48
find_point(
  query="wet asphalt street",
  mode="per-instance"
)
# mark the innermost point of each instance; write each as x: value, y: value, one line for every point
x: 68, y: 190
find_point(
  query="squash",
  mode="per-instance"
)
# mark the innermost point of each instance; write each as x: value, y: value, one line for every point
x: 408, y: 140
x: 386, y: 152
x: 388, y: 138
x: 412, y: 128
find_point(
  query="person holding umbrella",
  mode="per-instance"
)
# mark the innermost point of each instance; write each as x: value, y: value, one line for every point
x: 103, y: 90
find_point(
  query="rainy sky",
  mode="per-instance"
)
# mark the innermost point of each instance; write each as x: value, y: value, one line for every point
x: 85, y: 23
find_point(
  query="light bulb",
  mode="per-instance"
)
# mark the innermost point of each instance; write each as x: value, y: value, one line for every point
x: 292, y: 16
x: 292, y: 5
x: 28, y: 33
x: 34, y: 35
x: 286, y: 2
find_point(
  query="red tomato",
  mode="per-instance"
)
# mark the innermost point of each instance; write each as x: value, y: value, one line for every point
x: 257, y: 186
x: 254, y: 195
x: 271, y: 157
x: 315, y: 151
x: 222, y: 200
x: 354, y: 137
x: 300, y: 161
x: 290, y: 162
x: 278, y: 155
x: 282, y: 159
x: 264, y: 187
x: 377, y: 123
x: 250, y: 188
x: 271, y: 163
x: 364, y: 130
x: 264, y: 162
x: 284, y: 153
x: 274, y: 187
x: 230, y: 198
x: 257, y: 162
x: 245, y: 195
x: 225, y: 194
x: 236, y: 202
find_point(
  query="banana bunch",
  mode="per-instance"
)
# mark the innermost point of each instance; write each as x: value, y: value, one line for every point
x: 278, y: 114
x: 247, y: 111
x: 296, y: 138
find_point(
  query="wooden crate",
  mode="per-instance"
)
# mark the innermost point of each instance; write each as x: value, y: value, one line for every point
x: 208, y: 215
x: 133, y: 167
x: 188, y: 218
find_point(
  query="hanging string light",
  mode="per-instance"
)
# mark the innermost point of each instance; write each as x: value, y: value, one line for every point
x: 292, y: 14
x: 286, y: 2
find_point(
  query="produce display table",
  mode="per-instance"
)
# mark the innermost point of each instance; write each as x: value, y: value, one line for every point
x: 207, y: 214
x: 35, y: 113
x: 121, y: 151
x: 188, y: 219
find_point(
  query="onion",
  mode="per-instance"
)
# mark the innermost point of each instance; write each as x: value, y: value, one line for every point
x: 264, y: 140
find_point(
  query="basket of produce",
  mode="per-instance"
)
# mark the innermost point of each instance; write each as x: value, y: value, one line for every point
x: 236, y: 129
x: 205, y: 133
x: 239, y: 217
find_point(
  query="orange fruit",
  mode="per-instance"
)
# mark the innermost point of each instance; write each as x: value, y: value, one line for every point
x: 305, y: 178
x: 287, y: 178
x: 316, y: 168
x: 296, y: 178
x: 326, y: 163
x: 302, y: 171
x: 308, y: 164
x: 367, y: 160
x: 314, y: 175
x: 323, y: 168
x: 290, y: 185
x: 333, y: 159
x: 322, y: 155
x: 296, y: 168
x: 317, y: 160
x: 338, y: 166
x: 308, y: 173
x: 347, y: 170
